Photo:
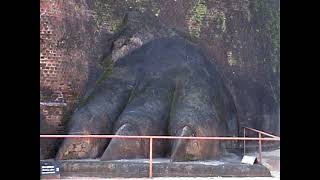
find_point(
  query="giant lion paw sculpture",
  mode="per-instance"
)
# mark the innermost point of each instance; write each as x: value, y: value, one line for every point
x: 166, y: 87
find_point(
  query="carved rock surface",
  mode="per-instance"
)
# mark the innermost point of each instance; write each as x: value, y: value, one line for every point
x: 166, y: 87
x: 78, y: 40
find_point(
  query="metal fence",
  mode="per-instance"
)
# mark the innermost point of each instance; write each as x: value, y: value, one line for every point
x: 244, y: 139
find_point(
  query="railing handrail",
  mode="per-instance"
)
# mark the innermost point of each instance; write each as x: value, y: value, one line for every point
x: 260, y: 139
x: 258, y: 131
x: 161, y: 137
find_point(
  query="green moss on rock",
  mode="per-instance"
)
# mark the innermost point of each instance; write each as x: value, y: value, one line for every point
x: 104, y: 16
x: 218, y: 18
x: 107, y: 65
x: 198, y: 14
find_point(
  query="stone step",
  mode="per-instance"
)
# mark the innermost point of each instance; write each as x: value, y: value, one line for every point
x: 162, y: 167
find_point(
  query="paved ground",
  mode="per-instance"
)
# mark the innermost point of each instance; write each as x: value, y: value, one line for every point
x: 190, y: 178
x: 270, y: 159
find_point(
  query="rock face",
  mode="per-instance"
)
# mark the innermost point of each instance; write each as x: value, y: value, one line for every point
x: 81, y: 40
x: 166, y: 87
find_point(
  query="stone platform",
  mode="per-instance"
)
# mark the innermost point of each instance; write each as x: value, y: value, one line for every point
x: 161, y: 168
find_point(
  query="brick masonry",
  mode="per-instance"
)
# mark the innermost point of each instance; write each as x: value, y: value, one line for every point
x: 70, y: 48
x: 59, y: 80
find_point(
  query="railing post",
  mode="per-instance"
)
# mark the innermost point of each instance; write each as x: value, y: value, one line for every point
x: 150, y: 159
x: 244, y: 141
x: 260, y: 149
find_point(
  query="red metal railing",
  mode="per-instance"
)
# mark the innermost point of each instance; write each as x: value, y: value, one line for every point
x: 260, y: 139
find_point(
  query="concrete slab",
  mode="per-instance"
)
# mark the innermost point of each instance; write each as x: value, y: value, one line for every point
x: 139, y: 168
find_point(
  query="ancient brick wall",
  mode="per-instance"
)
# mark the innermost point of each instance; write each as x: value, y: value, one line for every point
x: 57, y: 75
x: 71, y: 46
